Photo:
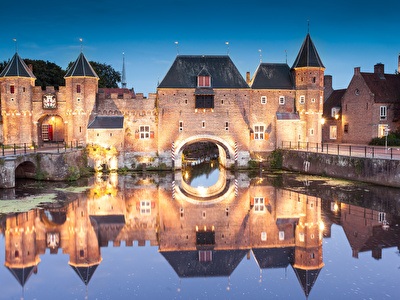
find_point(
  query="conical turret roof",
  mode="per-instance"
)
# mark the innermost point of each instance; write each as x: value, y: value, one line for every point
x: 17, y: 68
x: 81, y: 67
x: 308, y: 55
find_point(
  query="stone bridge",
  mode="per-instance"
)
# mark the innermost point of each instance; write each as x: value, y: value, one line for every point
x: 42, y: 166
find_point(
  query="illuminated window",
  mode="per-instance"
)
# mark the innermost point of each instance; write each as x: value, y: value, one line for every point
x: 333, y: 132
x: 259, y: 132
x: 381, y: 217
x: 281, y: 100
x: 335, y: 111
x: 203, y: 81
x: 263, y: 236
x: 302, y: 99
x: 281, y: 235
x: 383, y: 112
x: 301, y: 236
x: 145, y: 207
x: 259, y: 204
x: 144, y: 132
x: 263, y: 99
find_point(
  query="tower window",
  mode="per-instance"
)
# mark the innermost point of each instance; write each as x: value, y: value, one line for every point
x: 263, y: 99
x: 281, y: 100
x: 180, y: 126
x: 302, y: 99
x: 78, y: 88
x: 12, y: 89
x: 204, y: 101
x: 144, y: 132
x: 226, y: 126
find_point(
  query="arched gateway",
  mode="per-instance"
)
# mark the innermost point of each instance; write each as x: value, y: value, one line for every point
x: 226, y: 151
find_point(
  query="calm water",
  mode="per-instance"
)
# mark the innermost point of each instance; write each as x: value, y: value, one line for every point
x: 263, y: 236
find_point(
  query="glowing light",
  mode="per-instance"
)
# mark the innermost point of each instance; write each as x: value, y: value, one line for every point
x: 321, y: 226
x: 336, y: 117
x: 322, y: 121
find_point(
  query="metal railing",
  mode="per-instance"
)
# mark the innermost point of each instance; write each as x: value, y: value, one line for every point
x: 351, y: 150
x: 25, y: 148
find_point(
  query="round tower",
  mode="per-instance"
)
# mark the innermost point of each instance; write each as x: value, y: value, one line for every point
x: 81, y: 85
x: 16, y: 88
x: 308, y: 74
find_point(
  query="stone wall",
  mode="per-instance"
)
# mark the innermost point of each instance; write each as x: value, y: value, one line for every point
x: 372, y: 170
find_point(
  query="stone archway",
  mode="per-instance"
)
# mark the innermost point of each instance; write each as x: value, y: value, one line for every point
x: 26, y: 169
x: 226, y: 151
x: 51, y: 129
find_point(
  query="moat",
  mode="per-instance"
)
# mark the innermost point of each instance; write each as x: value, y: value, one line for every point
x: 146, y: 236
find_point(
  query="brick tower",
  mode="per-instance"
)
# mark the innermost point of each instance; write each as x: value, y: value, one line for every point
x: 81, y: 86
x: 16, y: 88
x: 308, y: 73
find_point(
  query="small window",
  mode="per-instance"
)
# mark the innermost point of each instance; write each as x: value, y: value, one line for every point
x: 333, y: 132
x: 203, y: 124
x: 144, y: 132
x: 259, y: 204
x: 78, y: 88
x: 335, y: 112
x: 346, y: 128
x: 314, y: 79
x: 383, y: 112
x: 313, y: 100
x: 204, y: 101
x: 263, y: 236
x: 180, y: 126
x: 145, y: 207
x: 79, y: 99
x: 110, y: 134
x: 281, y: 235
x: 12, y: 89
x: 259, y: 132
x: 263, y: 100
x: 281, y: 100
x: 226, y: 126
x: 312, y: 131
x: 302, y: 99
x: 301, y: 236
x: 186, y: 101
x: 23, y: 89
x: 203, y: 81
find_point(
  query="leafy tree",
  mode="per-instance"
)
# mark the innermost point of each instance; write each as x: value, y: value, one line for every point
x: 47, y: 73
x: 108, y: 77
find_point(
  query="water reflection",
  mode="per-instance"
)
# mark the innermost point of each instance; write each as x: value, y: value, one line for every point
x: 280, y: 227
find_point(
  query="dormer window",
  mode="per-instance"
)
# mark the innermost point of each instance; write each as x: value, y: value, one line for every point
x: 204, y: 81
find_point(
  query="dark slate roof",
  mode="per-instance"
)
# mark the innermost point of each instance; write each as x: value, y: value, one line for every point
x: 187, y: 264
x: 17, y: 67
x: 81, y: 67
x: 268, y: 258
x: 385, y: 88
x: 307, y: 278
x: 185, y: 69
x: 272, y: 76
x: 22, y: 274
x: 334, y: 100
x: 85, y: 273
x: 107, y: 122
x: 308, y: 55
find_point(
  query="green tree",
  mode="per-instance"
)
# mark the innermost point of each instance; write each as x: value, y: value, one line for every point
x: 108, y: 77
x: 47, y: 73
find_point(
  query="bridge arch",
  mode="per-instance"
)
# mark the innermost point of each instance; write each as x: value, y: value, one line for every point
x: 225, y: 149
x: 26, y: 169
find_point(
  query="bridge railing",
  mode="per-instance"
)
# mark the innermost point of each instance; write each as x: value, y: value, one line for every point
x: 351, y: 150
x: 24, y: 148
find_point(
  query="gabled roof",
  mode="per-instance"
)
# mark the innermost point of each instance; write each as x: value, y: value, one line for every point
x: 272, y: 76
x: 107, y: 122
x: 308, y: 55
x: 81, y: 67
x: 17, y: 67
x: 385, y: 89
x: 185, y: 69
x: 334, y: 100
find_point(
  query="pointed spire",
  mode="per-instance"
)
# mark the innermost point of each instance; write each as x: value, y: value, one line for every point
x: 81, y: 67
x: 123, y: 71
x: 308, y: 55
x: 17, y: 68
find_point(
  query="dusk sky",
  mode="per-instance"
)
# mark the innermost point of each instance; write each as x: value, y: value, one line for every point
x: 347, y: 34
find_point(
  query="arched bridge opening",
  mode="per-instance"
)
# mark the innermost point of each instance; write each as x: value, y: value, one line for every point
x: 196, y: 149
x: 27, y: 169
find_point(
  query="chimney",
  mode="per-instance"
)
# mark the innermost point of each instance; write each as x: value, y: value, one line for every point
x: 398, y: 64
x: 357, y: 71
x: 248, y: 76
x: 379, y: 69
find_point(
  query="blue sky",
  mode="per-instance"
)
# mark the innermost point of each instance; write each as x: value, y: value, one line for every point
x: 347, y: 34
